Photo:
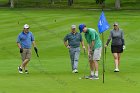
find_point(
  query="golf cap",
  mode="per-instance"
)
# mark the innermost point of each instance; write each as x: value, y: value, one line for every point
x: 26, y: 26
x: 115, y: 24
x: 73, y: 26
x: 81, y: 27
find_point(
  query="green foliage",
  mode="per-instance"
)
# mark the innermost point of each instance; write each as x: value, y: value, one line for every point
x: 100, y: 1
x: 108, y: 4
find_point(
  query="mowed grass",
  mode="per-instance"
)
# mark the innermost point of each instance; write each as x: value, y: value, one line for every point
x: 52, y: 74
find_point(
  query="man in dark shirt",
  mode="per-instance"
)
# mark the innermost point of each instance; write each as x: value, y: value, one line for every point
x: 74, y: 39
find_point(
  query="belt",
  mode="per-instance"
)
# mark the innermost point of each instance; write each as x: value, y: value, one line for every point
x: 74, y: 47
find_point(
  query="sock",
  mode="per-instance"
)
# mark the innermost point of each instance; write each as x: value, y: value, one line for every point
x: 96, y: 73
x: 92, y: 73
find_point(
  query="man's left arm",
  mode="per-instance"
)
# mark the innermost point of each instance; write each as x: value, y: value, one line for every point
x: 33, y: 43
x: 92, y: 44
x: 82, y: 42
x: 93, y: 40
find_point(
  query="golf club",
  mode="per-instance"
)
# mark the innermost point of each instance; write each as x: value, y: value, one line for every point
x: 84, y: 76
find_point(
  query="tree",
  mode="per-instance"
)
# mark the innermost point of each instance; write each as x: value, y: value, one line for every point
x: 52, y: 1
x: 11, y: 3
x: 70, y: 2
x: 117, y: 4
x: 101, y: 3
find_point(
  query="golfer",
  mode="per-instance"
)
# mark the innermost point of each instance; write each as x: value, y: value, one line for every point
x: 94, y: 49
x: 117, y: 45
x: 74, y: 39
x: 24, y: 41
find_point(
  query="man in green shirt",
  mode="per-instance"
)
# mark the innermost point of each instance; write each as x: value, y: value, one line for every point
x: 94, y: 49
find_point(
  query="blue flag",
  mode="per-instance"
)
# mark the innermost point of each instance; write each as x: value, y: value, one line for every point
x: 102, y: 24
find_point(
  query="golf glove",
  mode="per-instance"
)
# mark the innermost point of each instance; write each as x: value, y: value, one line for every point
x: 124, y: 47
x: 84, y: 47
x: 89, y: 52
x: 35, y: 49
x: 21, y: 50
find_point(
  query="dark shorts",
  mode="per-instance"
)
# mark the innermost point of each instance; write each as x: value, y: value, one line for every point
x: 116, y: 48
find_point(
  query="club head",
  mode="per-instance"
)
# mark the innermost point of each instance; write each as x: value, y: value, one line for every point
x: 84, y: 77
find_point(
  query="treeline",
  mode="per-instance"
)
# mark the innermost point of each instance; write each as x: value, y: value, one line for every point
x: 116, y: 4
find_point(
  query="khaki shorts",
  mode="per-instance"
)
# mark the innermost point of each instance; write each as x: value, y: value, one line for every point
x: 26, y: 54
x: 96, y: 55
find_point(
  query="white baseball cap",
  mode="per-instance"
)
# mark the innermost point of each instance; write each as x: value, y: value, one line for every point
x: 73, y: 26
x: 115, y: 24
x: 26, y: 26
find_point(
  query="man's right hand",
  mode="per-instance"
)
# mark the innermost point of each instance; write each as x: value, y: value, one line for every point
x: 21, y: 50
x: 35, y: 49
x: 68, y: 47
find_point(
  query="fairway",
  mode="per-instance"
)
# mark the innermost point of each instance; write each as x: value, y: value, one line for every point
x: 52, y: 74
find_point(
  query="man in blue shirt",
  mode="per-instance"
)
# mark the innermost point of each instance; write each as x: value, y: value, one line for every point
x: 24, y: 41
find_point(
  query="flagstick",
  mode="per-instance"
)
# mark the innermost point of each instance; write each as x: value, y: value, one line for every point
x: 103, y: 52
x: 103, y: 57
x: 103, y: 26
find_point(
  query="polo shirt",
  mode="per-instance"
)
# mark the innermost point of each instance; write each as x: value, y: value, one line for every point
x: 25, y: 40
x: 73, y: 39
x: 92, y: 35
